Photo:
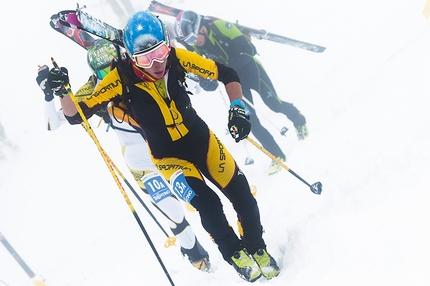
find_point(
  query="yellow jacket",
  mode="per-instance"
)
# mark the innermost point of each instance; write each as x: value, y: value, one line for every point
x: 163, y: 120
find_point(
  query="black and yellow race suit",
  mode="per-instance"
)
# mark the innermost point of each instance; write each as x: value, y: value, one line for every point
x: 226, y: 44
x: 179, y: 139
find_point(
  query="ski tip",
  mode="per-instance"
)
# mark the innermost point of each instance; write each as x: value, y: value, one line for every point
x: 315, y: 49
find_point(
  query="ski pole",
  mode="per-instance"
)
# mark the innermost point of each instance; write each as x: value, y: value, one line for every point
x: 316, y: 188
x: 283, y: 130
x: 170, y: 240
x: 109, y: 163
x: 21, y: 262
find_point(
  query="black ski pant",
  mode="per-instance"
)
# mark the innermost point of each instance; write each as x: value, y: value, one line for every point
x: 254, y: 77
x: 201, y: 155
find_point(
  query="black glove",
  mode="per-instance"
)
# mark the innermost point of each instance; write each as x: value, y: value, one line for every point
x: 41, y: 79
x: 238, y: 123
x: 57, y: 79
x: 208, y: 84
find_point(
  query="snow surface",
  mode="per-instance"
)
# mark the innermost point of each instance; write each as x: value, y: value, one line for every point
x: 366, y: 99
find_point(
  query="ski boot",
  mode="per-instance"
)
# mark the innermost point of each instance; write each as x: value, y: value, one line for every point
x: 267, y: 264
x: 301, y: 131
x: 197, y: 256
x: 245, y: 266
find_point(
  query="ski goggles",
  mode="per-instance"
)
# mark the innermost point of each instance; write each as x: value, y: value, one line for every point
x: 101, y: 73
x: 157, y: 54
x: 191, y: 39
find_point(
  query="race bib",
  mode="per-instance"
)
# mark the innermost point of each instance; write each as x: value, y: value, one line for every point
x: 157, y: 188
x: 181, y: 187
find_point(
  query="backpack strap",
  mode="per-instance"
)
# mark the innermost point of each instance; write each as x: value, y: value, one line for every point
x: 121, y: 62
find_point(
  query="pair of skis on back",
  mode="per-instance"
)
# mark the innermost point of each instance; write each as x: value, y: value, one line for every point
x: 73, y: 23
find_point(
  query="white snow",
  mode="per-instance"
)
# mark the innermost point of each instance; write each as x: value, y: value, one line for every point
x: 366, y: 99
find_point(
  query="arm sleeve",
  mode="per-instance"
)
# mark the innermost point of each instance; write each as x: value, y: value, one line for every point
x: 206, y: 68
x: 77, y: 119
x: 109, y: 88
x: 226, y: 74
x: 93, y: 98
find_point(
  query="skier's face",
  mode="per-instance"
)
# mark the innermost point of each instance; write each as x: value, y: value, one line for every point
x: 157, y: 70
x: 201, y: 36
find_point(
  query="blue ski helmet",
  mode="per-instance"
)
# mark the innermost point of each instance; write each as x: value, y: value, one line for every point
x: 99, y: 56
x: 143, y: 32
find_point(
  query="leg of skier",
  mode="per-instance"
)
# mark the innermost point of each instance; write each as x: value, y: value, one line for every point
x: 265, y: 88
x: 138, y: 160
x: 246, y: 254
